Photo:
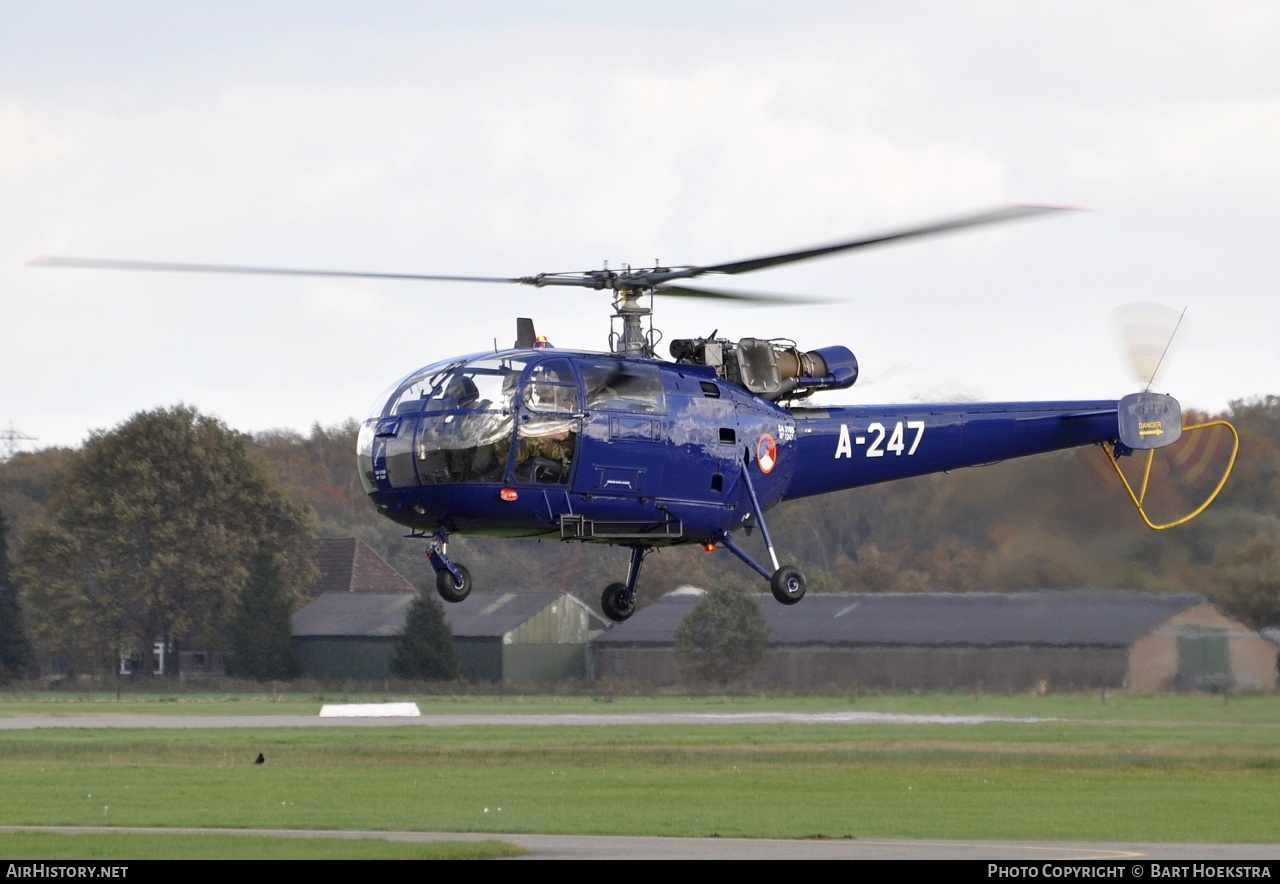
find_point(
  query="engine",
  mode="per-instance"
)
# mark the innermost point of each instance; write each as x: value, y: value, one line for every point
x: 772, y: 369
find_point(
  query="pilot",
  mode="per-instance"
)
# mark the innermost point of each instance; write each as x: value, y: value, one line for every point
x: 466, y: 459
x: 601, y: 392
x: 463, y: 391
x: 553, y: 445
x: 545, y: 437
x: 547, y: 394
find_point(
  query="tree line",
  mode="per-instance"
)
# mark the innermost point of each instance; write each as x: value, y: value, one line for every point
x: 173, y: 526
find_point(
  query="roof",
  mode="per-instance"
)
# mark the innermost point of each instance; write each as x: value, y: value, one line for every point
x: 1093, y: 617
x: 348, y: 564
x: 353, y: 613
x: 480, y: 615
x: 489, y: 614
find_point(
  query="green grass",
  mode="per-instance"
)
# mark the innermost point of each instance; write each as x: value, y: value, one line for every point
x: 48, y: 846
x: 1179, y: 768
x: 1096, y: 706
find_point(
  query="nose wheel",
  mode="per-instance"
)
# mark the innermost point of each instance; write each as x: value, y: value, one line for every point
x: 453, y: 589
x: 453, y: 581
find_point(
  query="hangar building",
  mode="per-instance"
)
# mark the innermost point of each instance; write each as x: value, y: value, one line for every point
x: 1001, y: 641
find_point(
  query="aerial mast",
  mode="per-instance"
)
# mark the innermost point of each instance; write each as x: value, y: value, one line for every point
x: 9, y: 440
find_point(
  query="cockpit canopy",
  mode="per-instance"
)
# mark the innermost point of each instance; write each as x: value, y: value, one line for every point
x: 451, y: 386
x: 456, y: 421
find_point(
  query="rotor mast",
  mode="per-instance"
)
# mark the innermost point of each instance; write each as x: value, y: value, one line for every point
x: 629, y: 287
x: 633, y: 341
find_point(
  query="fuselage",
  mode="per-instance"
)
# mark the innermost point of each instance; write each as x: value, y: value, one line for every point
x: 591, y: 446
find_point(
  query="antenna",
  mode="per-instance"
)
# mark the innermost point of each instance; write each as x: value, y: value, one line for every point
x: 11, y: 437
x: 1165, y: 351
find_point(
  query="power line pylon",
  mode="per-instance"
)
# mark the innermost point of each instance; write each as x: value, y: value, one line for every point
x: 10, y: 438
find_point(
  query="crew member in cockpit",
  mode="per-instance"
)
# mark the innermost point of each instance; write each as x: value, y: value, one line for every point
x: 469, y: 455
x: 547, y: 437
x: 463, y: 391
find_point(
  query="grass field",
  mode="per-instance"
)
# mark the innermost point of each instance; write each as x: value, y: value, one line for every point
x: 1176, y: 768
x: 1259, y: 708
x: 49, y: 846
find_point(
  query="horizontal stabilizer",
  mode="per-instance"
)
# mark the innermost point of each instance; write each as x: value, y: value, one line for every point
x: 1149, y: 420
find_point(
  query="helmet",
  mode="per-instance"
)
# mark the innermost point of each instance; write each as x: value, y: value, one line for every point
x: 462, y: 390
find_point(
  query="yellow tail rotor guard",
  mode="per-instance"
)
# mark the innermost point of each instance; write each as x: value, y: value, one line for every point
x: 1140, y: 496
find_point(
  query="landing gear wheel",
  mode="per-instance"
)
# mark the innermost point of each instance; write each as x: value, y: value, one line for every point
x: 788, y: 585
x: 617, y: 607
x: 451, y: 590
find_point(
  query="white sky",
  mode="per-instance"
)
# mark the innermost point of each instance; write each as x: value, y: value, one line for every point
x: 511, y: 138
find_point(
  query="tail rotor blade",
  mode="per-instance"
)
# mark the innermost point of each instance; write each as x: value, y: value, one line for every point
x: 1147, y: 331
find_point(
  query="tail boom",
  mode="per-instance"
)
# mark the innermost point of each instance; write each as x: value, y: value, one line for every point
x: 848, y: 447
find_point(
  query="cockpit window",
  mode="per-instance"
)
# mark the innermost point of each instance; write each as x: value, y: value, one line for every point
x: 449, y: 422
x: 483, y: 384
x: 623, y: 386
x: 469, y: 446
x: 552, y: 387
x: 549, y: 424
x: 479, y: 387
x: 466, y: 430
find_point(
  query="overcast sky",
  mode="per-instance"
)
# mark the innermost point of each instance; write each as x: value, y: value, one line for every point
x: 507, y: 139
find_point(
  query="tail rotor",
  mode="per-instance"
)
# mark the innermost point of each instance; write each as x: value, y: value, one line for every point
x: 1150, y: 421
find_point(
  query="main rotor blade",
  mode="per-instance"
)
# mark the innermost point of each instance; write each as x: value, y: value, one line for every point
x: 110, y: 264
x: 685, y: 291
x: 596, y: 279
x: 991, y: 216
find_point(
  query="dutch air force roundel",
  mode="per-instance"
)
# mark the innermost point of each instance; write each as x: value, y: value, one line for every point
x: 766, y: 453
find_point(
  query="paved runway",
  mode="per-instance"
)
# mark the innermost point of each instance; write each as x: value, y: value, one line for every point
x: 600, y: 847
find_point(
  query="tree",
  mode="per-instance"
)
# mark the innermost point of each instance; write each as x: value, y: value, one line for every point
x: 723, y: 638
x: 153, y: 530
x: 16, y: 656
x: 425, y: 648
x: 1246, y: 579
x: 260, y: 630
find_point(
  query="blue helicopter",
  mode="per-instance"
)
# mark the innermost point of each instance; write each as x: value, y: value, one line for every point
x: 625, y: 449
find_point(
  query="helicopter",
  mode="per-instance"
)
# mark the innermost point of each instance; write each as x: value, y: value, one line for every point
x: 626, y: 449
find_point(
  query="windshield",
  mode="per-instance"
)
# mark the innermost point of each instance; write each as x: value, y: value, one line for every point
x: 457, y: 422
x: 467, y: 420
x: 448, y: 422
x: 481, y: 384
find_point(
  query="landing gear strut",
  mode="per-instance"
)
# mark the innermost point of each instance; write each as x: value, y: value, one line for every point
x: 619, y: 599
x: 453, y: 581
x: 786, y: 582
